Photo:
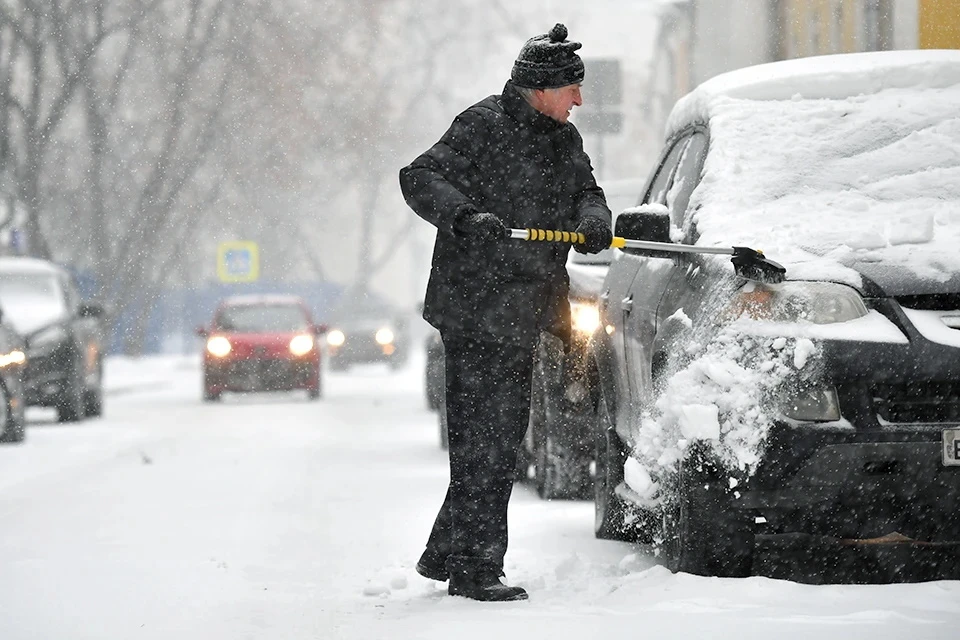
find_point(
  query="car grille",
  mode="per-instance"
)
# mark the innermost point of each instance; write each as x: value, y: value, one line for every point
x: 918, y: 402
x: 932, y: 302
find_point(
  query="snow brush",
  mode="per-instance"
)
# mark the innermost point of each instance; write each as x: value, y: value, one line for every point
x: 747, y: 263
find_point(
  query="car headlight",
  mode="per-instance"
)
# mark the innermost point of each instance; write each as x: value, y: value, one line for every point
x: 819, y: 404
x: 585, y: 317
x: 12, y: 359
x: 384, y: 336
x: 795, y: 301
x: 48, y: 339
x: 301, y: 345
x: 218, y: 346
x: 336, y: 338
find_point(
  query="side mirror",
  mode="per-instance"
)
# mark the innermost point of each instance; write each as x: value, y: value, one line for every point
x: 649, y: 222
x: 202, y: 332
x: 91, y: 310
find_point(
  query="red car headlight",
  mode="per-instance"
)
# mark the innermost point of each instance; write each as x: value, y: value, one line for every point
x: 301, y: 345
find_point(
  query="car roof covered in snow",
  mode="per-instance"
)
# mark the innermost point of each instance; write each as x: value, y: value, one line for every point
x: 249, y: 299
x: 838, y: 167
x: 825, y: 77
x: 18, y: 264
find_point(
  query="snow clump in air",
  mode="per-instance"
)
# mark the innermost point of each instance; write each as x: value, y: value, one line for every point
x: 725, y: 395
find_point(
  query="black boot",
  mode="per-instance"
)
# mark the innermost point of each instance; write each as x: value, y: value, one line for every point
x: 432, y: 567
x: 482, y: 584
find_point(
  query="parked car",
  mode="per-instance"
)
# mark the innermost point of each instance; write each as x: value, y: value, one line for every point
x: 824, y: 410
x: 261, y: 343
x: 366, y: 330
x: 559, y: 439
x: 12, y: 397
x: 63, y: 336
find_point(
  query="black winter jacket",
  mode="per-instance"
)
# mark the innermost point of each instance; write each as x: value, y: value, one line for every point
x: 504, y: 157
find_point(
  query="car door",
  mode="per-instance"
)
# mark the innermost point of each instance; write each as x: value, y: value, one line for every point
x: 616, y: 300
x: 656, y: 275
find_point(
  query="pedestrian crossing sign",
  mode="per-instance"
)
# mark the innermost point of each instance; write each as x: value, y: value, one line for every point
x: 238, y: 261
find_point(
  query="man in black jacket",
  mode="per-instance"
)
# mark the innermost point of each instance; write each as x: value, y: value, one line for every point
x: 511, y: 160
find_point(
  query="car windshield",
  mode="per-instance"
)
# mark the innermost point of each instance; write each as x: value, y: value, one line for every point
x: 278, y: 318
x: 31, y: 300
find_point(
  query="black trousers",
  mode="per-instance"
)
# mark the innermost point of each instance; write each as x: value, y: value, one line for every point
x: 488, y: 407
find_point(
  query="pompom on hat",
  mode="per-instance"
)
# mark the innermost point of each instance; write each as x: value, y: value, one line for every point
x: 548, y: 61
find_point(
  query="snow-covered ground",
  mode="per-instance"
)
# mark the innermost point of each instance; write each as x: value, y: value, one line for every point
x: 278, y: 518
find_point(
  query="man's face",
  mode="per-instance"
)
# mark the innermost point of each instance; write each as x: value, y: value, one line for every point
x: 557, y: 103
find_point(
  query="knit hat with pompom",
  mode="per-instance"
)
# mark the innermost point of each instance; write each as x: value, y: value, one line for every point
x: 548, y: 61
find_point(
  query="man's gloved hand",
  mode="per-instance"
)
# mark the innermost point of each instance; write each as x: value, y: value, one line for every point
x: 597, y: 233
x: 485, y: 227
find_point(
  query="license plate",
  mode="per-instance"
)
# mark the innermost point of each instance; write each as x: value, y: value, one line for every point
x: 951, y: 447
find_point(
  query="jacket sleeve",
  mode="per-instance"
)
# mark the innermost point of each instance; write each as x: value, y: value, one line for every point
x: 589, y: 196
x: 433, y: 185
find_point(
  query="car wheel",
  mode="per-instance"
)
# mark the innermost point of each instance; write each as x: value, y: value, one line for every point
x: 93, y: 398
x: 561, y: 469
x: 71, y: 405
x: 13, y: 429
x: 703, y: 531
x: 314, y: 393
x: 611, y: 520
x: 211, y: 396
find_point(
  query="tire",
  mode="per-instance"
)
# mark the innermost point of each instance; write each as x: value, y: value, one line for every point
x: 71, y: 406
x: 315, y: 393
x: 14, y: 429
x: 703, y: 531
x: 93, y: 398
x: 561, y: 469
x: 611, y: 515
x: 211, y: 396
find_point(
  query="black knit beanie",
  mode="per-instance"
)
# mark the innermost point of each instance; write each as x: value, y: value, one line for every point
x: 548, y: 61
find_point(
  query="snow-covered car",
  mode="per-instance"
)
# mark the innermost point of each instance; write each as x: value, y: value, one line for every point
x: 12, y: 398
x: 822, y: 412
x: 261, y: 343
x: 63, y: 336
x: 559, y: 439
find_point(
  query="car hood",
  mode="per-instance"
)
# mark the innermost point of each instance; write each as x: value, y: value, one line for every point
x: 586, y: 280
x: 29, y: 315
x: 262, y: 339
x: 894, y: 279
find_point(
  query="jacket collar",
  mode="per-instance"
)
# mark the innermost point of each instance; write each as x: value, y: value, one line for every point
x: 517, y: 107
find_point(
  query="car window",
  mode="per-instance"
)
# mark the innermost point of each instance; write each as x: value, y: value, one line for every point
x: 262, y: 318
x: 686, y: 178
x: 657, y: 193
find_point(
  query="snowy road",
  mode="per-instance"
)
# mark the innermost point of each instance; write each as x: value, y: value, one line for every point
x: 275, y: 517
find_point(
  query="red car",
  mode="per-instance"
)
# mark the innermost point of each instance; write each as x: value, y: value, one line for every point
x: 261, y: 343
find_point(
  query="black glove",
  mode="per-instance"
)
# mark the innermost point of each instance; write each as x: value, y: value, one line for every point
x: 484, y: 227
x: 597, y: 234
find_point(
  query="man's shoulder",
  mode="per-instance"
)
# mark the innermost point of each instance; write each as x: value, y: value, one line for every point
x: 489, y: 107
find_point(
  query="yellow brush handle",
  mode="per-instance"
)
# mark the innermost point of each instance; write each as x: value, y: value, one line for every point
x: 548, y: 235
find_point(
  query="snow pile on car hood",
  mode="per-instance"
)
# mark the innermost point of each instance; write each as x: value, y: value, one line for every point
x: 855, y: 165
x: 725, y: 396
